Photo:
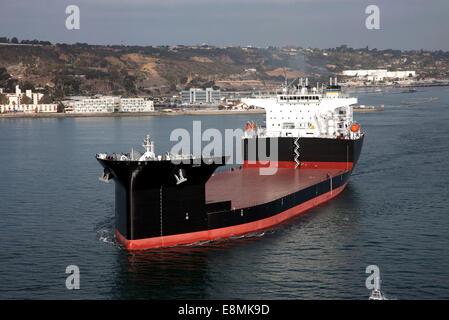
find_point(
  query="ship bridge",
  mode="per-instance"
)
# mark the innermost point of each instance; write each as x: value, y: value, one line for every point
x: 307, y: 112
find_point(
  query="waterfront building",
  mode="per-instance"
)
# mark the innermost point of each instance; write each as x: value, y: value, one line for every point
x: 379, y: 74
x: 97, y: 105
x: 136, y: 105
x: 36, y: 96
x: 200, y: 96
x: 29, y: 108
x: 15, y: 102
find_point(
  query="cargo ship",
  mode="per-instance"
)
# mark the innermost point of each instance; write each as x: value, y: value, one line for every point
x: 313, y: 145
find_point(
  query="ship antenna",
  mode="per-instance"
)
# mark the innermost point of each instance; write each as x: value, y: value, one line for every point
x: 285, y: 76
x: 149, y: 147
x: 147, y: 143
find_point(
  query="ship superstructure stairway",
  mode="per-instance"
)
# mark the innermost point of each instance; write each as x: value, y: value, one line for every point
x: 297, y: 154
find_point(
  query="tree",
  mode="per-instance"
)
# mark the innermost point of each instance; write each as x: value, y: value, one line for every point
x: 27, y: 100
x: 46, y: 99
x: 4, y: 77
x: 61, y: 107
x: 183, y: 80
x: 129, y: 84
x: 11, y: 84
x: 3, y: 99
x: 27, y: 85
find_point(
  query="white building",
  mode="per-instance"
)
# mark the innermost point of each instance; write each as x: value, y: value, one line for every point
x: 200, y: 96
x: 136, y: 105
x: 97, y: 105
x: 379, y: 74
x: 36, y: 97
x: 29, y: 108
x: 15, y: 103
x: 14, y: 100
x: 108, y: 105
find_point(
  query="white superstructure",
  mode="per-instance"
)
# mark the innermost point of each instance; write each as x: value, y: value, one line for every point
x: 307, y: 112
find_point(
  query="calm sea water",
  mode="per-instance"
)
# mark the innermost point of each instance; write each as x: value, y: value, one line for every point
x: 394, y: 214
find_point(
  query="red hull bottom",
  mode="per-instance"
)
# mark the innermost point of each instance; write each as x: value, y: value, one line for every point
x: 226, y: 232
x: 302, y: 164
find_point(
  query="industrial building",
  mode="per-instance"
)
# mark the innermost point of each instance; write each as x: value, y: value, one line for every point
x: 379, y: 74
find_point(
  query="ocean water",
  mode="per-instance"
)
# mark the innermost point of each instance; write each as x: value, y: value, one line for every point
x: 54, y: 212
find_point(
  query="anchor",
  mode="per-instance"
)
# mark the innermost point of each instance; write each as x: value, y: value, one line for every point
x: 180, y: 179
x: 106, y: 176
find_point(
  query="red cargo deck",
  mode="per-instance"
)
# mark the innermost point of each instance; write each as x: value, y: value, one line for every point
x: 246, y: 187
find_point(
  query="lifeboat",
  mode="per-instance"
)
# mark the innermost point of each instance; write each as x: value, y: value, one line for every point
x: 355, y: 128
x: 248, y: 126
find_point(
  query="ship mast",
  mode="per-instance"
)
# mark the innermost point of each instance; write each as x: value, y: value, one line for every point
x: 149, y: 147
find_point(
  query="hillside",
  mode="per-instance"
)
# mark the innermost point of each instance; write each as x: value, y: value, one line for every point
x: 82, y: 69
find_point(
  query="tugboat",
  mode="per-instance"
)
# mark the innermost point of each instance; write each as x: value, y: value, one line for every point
x: 313, y: 144
x: 376, y: 294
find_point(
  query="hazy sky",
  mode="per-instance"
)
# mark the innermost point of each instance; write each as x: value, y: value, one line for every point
x: 404, y: 24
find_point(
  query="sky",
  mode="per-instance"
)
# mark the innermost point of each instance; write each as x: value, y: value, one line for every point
x: 403, y: 24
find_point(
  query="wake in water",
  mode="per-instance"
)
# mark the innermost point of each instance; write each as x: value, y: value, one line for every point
x: 250, y: 235
x: 385, y: 297
x: 105, y: 231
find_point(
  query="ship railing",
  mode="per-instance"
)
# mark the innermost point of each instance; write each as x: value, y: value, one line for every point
x: 135, y: 157
x: 262, y: 133
x: 171, y: 156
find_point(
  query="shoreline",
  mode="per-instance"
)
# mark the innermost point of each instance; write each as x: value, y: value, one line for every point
x: 393, y: 86
x: 22, y: 115
x: 129, y: 114
x: 367, y: 109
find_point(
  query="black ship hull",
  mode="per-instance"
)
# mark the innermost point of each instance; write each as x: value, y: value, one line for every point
x: 311, y: 152
x: 155, y: 208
